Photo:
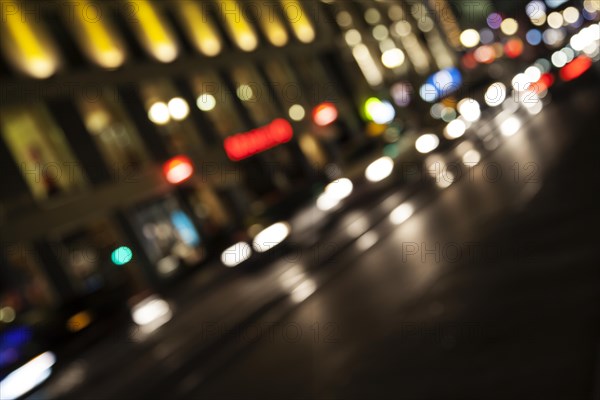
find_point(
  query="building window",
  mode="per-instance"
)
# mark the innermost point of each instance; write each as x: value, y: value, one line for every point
x: 237, y: 24
x: 168, y: 236
x: 113, y: 132
x: 255, y: 94
x: 27, y: 46
x: 215, y: 99
x: 170, y: 112
x: 41, y: 151
x: 287, y: 87
x: 153, y: 31
x: 94, y: 32
x: 200, y: 27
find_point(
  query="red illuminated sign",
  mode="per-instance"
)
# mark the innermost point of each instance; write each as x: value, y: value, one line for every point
x: 178, y: 169
x: 244, y: 145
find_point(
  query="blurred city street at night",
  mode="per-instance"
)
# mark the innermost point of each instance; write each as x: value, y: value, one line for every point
x: 299, y: 199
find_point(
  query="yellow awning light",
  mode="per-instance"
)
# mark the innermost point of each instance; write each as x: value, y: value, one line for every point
x: 153, y: 32
x: 200, y: 28
x: 237, y: 24
x: 272, y: 25
x: 301, y: 25
x: 28, y: 46
x: 96, y: 38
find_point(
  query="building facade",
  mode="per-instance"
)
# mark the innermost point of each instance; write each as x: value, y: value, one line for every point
x: 163, y: 131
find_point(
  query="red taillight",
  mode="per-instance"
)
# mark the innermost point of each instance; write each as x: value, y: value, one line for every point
x: 575, y: 68
x: 543, y: 83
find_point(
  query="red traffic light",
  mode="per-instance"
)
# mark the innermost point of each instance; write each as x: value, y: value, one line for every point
x: 178, y: 169
x: 325, y: 114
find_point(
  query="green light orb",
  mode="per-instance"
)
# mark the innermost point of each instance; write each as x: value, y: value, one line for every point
x: 121, y: 255
x: 371, y: 106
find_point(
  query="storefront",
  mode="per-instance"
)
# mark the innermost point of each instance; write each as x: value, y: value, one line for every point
x: 172, y: 241
x: 41, y: 151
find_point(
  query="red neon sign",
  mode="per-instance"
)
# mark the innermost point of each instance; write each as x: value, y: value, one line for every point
x: 244, y: 145
x: 178, y: 169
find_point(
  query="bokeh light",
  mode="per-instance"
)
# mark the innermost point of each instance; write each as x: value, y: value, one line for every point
x: 325, y: 114
x: 297, y: 112
x: 206, y: 102
x: 378, y: 111
x: 379, y: 169
x: 159, y: 113
x: 509, y: 26
x: 469, y: 38
x: 178, y: 108
x: 392, y: 58
x: 534, y: 37
x: 121, y: 255
x: 427, y: 143
x: 494, y: 20
x: 495, y: 94
x: 469, y: 109
x: 555, y: 20
x: 455, y: 129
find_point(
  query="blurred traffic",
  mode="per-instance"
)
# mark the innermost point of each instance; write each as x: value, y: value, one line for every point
x: 171, y: 164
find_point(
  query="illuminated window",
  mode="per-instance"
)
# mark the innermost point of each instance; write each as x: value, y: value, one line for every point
x: 444, y: 13
x: 216, y: 101
x: 271, y: 24
x: 113, y: 132
x: 312, y: 149
x: 40, y: 150
x: 255, y: 95
x: 170, y: 112
x: 286, y: 86
x: 168, y: 235
x: 299, y: 21
x: 237, y: 24
x: 152, y: 30
x: 317, y: 87
x: 199, y: 27
x: 26, y: 42
x: 95, y: 34
x: 206, y: 203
